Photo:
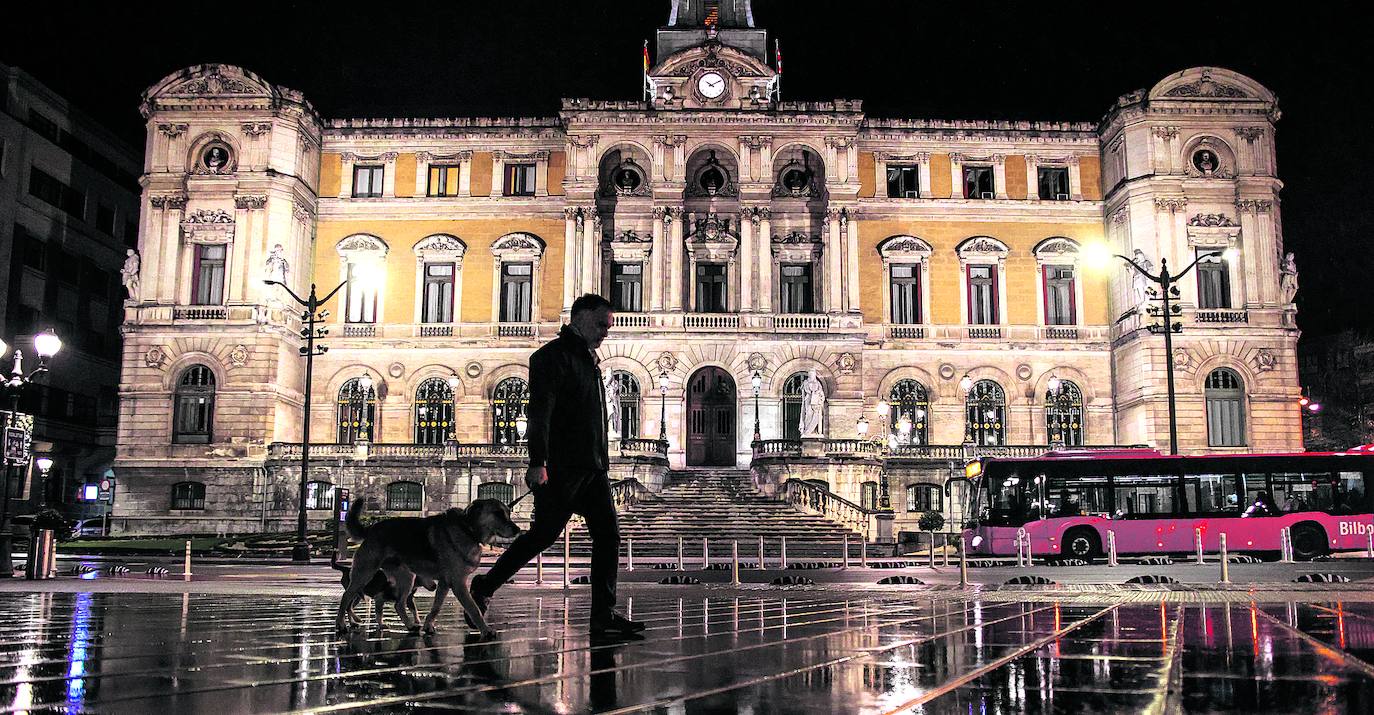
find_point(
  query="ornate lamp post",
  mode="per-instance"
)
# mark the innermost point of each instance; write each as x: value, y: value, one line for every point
x: 454, y: 382
x: 46, y: 344
x: 1056, y: 434
x: 757, y: 382
x: 966, y: 386
x: 1166, y: 312
x: 44, y: 464
x: 663, y: 407
x: 309, y: 317
x: 522, y: 425
x: 884, y: 409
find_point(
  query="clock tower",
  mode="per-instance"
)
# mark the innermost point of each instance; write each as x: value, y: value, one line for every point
x: 712, y: 57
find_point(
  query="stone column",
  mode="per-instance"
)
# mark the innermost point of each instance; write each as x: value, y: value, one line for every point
x: 572, y: 221
x: 762, y: 220
x: 591, y: 251
x: 1033, y: 177
x: 464, y: 173
x: 880, y: 174
x: 834, y: 260
x: 746, y: 260
x: 924, y: 172
x: 674, y: 215
x: 1075, y: 180
x: 851, y: 262
x: 999, y: 176
x: 498, y: 173
x: 656, y: 251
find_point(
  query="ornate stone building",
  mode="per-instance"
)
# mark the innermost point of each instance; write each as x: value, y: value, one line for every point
x: 936, y: 267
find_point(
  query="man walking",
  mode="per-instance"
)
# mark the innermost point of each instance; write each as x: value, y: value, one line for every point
x: 568, y: 463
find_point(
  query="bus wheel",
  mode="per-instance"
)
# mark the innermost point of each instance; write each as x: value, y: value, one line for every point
x: 1309, y: 540
x: 1082, y: 544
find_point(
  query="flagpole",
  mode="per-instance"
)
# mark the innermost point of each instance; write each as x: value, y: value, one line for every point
x: 648, y: 91
x: 777, y: 59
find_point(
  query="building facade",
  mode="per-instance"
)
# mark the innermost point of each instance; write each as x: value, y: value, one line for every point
x: 69, y: 198
x: 938, y: 267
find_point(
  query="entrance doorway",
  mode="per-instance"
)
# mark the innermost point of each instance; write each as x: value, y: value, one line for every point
x: 711, y: 418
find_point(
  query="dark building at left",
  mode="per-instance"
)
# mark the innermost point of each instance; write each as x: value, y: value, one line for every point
x: 69, y: 198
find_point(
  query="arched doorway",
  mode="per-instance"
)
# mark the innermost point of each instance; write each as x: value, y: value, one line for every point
x: 711, y: 418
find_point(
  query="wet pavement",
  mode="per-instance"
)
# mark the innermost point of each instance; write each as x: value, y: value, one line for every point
x: 708, y: 649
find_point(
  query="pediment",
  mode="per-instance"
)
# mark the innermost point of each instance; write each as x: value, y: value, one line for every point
x: 711, y: 55
x: 213, y: 80
x: 1202, y: 83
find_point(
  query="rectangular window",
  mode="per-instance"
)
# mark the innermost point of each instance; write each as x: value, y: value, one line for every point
x: 360, y: 300
x: 1054, y: 183
x: 710, y: 288
x: 1212, y: 493
x: 519, y: 180
x: 795, y: 292
x: 1213, y: 283
x: 903, y: 182
x: 35, y: 251
x: 1225, y: 421
x: 438, y: 295
x: 1059, y: 296
x: 517, y: 287
x: 44, y: 127
x: 367, y: 181
x: 443, y: 180
x: 208, y: 282
x: 906, y: 293
x: 105, y: 219
x: 627, y: 287
x: 978, y: 182
x: 982, y: 295
x: 1144, y: 496
x: 46, y: 188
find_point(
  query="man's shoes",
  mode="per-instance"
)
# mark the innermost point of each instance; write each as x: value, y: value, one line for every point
x: 614, y: 624
x: 481, y: 596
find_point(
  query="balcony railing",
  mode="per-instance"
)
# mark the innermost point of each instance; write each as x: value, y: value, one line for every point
x: 807, y: 322
x: 360, y: 330
x: 200, y: 312
x: 1057, y: 332
x: 906, y: 332
x: 984, y: 333
x: 1221, y: 316
x: 710, y: 321
x: 851, y: 448
x: 640, y: 446
x: 777, y: 448
x: 430, y: 330
x: 630, y: 491
x: 516, y: 330
x: 774, y: 448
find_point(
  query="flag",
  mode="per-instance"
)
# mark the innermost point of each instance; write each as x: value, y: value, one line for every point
x: 646, y: 57
x: 777, y: 55
x: 648, y: 83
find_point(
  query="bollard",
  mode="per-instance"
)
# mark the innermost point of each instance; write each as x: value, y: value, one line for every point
x: 734, y: 567
x: 844, y: 547
x: 629, y: 554
x: 963, y: 563
x: 679, y: 555
x: 186, y: 565
x: 705, y: 554
x: 932, y: 551
x: 863, y: 553
x: 1111, y: 548
x: 567, y: 558
x: 539, y: 568
x: 1370, y: 553
x: 762, y: 566
x: 1022, y: 549
x: 1225, y: 570
x: 1197, y: 537
x: 783, y: 557
x: 944, y: 553
x: 1285, y: 546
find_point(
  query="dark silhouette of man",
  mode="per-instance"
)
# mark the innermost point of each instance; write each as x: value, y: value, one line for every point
x: 568, y: 463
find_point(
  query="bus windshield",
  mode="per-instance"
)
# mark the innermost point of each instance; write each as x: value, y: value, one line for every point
x: 1013, y: 492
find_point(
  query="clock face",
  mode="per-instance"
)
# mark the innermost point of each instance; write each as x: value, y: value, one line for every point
x: 711, y: 85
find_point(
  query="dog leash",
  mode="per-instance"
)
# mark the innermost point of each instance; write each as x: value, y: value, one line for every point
x: 519, y: 499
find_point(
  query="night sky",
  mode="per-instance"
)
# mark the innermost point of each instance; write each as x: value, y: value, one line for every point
x: 904, y: 59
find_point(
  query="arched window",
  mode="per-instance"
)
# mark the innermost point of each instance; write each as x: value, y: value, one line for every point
x: 1064, y: 415
x: 404, y: 496
x: 909, y: 399
x: 868, y: 495
x: 924, y: 497
x: 195, y: 406
x: 1225, y: 395
x: 188, y: 495
x: 433, y: 411
x: 791, y: 406
x: 509, y: 401
x: 985, y: 413
x: 626, y: 389
x: 500, y: 491
x: 319, y: 495
x: 356, y: 412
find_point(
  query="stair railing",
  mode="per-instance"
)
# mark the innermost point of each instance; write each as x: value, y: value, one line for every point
x: 630, y: 491
x: 822, y: 502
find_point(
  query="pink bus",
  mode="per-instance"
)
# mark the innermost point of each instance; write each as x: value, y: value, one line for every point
x: 1066, y: 502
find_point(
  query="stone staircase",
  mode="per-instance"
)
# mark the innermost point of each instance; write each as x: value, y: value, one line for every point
x: 721, y: 505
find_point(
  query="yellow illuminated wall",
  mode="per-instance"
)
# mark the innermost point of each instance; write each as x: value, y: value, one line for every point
x: 398, y: 294
x: 405, y: 175
x: 1016, y: 177
x: 1090, y: 175
x: 481, y: 173
x: 939, y: 176
x: 558, y: 162
x: 1020, y: 303
x: 331, y: 169
x: 868, y: 183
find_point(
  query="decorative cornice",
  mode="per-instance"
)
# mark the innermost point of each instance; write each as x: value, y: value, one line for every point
x: 583, y: 141
x: 1171, y: 204
x: 1254, y: 205
x: 173, y: 130
x: 254, y: 129
x: 1250, y: 134
x: 756, y: 141
x: 175, y: 202
x: 841, y: 142
x: 1120, y: 215
x: 250, y: 202
x: 209, y: 216
x: 302, y: 211
x: 1211, y: 220
x: 1166, y: 133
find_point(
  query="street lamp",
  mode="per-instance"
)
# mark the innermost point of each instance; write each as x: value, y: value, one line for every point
x: 663, y: 407
x: 1056, y: 387
x: 522, y: 425
x: 44, y: 466
x: 884, y: 409
x: 1168, y: 290
x: 46, y: 344
x: 454, y: 382
x: 966, y: 386
x: 861, y: 427
x: 310, y: 316
x: 757, y: 382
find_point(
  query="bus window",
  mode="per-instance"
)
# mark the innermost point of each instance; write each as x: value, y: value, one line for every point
x: 1078, y: 496
x: 1144, y: 496
x: 1351, y: 496
x: 1302, y: 491
x: 1253, y: 484
x: 1213, y: 493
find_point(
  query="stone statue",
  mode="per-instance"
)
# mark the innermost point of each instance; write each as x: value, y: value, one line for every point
x: 276, y: 267
x: 130, y: 271
x: 1288, y: 279
x: 1139, y: 283
x: 812, y: 406
x: 613, y: 406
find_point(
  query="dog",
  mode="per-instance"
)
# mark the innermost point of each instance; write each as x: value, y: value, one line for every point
x: 382, y: 591
x: 444, y: 548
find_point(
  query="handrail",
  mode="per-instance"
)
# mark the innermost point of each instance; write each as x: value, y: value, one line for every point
x: 630, y: 491
x: 820, y: 501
